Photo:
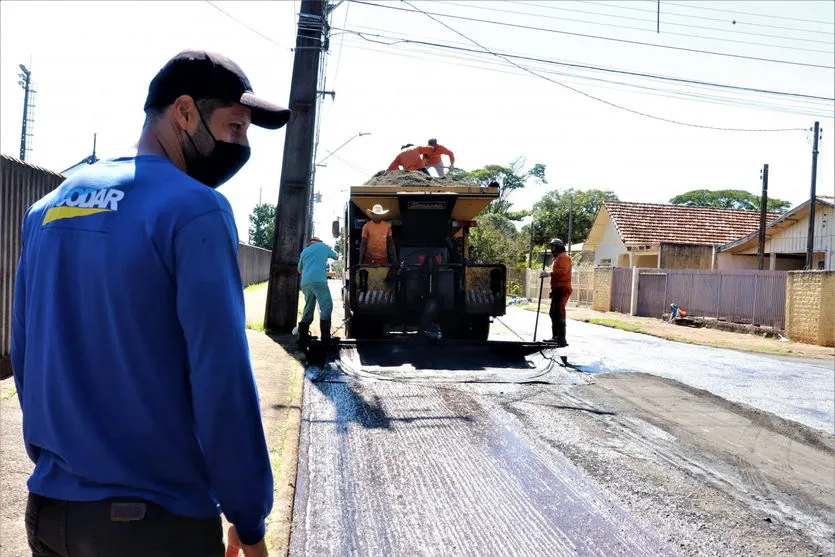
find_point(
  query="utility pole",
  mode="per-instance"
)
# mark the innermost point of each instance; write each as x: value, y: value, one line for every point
x: 570, y: 221
x: 295, y: 189
x: 25, y: 82
x: 763, y: 205
x: 530, y: 250
x: 810, y: 246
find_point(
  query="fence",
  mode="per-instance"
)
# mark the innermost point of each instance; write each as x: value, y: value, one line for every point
x: 21, y: 184
x: 254, y: 264
x: 582, y: 285
x: 756, y: 297
x: 621, y: 290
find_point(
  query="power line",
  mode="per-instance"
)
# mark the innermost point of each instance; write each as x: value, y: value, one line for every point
x: 749, y: 13
x: 677, y: 14
x: 516, y: 12
x: 341, y: 42
x: 607, y: 70
x: 592, y: 96
x: 584, y: 35
x: 653, y: 91
x: 230, y: 16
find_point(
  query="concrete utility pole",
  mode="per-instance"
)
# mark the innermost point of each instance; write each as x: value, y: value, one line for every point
x: 763, y: 206
x: 570, y: 221
x: 810, y: 246
x: 295, y: 189
x: 25, y: 82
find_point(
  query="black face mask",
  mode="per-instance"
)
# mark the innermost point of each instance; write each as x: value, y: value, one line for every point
x: 223, y: 162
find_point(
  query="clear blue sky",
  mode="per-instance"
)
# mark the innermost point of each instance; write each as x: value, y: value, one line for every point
x: 92, y: 62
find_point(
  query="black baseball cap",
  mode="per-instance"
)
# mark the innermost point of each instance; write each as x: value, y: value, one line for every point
x: 208, y: 75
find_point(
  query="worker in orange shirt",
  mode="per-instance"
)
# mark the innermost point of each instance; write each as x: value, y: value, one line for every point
x: 560, y: 275
x: 411, y: 158
x: 435, y: 161
x: 377, y: 246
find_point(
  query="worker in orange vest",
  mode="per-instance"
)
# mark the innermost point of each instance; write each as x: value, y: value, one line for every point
x: 411, y: 158
x: 435, y: 161
x: 560, y: 275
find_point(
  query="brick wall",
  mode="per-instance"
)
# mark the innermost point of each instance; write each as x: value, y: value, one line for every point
x: 602, y: 298
x: 677, y: 256
x: 810, y: 307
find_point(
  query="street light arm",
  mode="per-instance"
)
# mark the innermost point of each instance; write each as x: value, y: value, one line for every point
x: 353, y: 137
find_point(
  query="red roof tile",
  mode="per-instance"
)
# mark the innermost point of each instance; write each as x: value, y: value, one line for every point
x: 649, y: 223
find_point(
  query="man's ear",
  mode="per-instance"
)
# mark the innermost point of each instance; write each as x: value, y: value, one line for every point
x: 184, y: 112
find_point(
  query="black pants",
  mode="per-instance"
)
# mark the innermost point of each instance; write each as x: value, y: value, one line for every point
x: 117, y: 528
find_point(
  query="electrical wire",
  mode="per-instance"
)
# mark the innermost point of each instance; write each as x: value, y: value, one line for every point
x: 600, y: 68
x: 259, y: 33
x: 621, y: 6
x: 341, y: 42
x: 588, y: 36
x: 653, y: 22
x: 652, y: 91
x: 717, y: 128
x: 749, y: 13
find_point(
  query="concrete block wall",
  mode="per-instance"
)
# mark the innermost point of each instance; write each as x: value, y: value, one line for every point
x: 602, y: 300
x: 810, y: 307
x: 254, y: 263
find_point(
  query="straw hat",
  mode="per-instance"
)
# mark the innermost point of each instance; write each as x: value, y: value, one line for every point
x: 377, y: 210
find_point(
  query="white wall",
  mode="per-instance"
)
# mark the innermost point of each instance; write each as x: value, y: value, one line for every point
x: 793, y: 239
x: 610, y: 246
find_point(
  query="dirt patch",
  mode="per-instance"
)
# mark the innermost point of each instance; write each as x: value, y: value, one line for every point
x: 703, y: 336
x: 411, y: 178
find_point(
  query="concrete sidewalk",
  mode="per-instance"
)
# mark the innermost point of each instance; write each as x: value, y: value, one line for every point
x: 280, y: 377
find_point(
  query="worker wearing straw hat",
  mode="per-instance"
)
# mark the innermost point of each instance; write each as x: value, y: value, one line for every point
x: 377, y: 246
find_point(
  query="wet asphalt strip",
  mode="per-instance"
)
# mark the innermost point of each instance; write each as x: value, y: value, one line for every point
x: 393, y: 462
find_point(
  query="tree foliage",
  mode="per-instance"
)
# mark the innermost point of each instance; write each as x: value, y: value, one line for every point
x: 509, y: 178
x: 262, y: 226
x: 496, y: 240
x: 728, y: 199
x: 551, y: 214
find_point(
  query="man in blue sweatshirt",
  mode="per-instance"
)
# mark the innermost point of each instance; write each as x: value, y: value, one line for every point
x: 140, y: 408
x: 313, y: 267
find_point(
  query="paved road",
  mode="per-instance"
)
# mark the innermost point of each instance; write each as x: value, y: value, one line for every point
x: 479, y: 460
x: 802, y: 390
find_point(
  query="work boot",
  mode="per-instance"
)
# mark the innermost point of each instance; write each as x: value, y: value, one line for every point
x: 325, y: 326
x: 304, y: 335
x: 561, y: 342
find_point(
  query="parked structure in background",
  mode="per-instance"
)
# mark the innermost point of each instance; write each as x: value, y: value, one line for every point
x: 22, y: 184
x: 665, y: 236
x: 786, y: 241
x: 83, y: 163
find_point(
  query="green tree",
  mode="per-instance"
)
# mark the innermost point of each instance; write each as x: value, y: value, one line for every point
x: 262, y: 226
x: 509, y: 178
x: 551, y: 214
x: 728, y: 199
x: 496, y: 240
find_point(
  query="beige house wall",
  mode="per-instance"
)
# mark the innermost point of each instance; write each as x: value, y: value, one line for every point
x: 602, y: 298
x: 810, y: 307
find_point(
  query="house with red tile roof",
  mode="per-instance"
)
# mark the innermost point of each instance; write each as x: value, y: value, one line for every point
x: 786, y: 241
x: 665, y: 236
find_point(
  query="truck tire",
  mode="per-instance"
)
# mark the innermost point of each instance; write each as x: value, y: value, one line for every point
x: 480, y: 327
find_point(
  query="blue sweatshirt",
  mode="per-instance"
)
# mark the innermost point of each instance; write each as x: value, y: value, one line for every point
x: 129, y: 348
x: 313, y: 262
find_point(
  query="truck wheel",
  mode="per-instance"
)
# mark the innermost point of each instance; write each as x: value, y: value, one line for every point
x: 480, y: 327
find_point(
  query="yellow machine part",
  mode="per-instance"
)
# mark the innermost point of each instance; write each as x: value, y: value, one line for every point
x: 469, y: 203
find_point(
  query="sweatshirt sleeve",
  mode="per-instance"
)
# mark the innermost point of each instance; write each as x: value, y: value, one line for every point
x: 225, y: 402
x: 447, y: 152
x: 332, y: 254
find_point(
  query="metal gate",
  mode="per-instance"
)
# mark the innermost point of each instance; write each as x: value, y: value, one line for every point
x: 621, y: 290
x: 652, y: 294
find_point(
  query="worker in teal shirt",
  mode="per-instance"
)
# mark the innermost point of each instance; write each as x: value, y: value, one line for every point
x: 313, y: 267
